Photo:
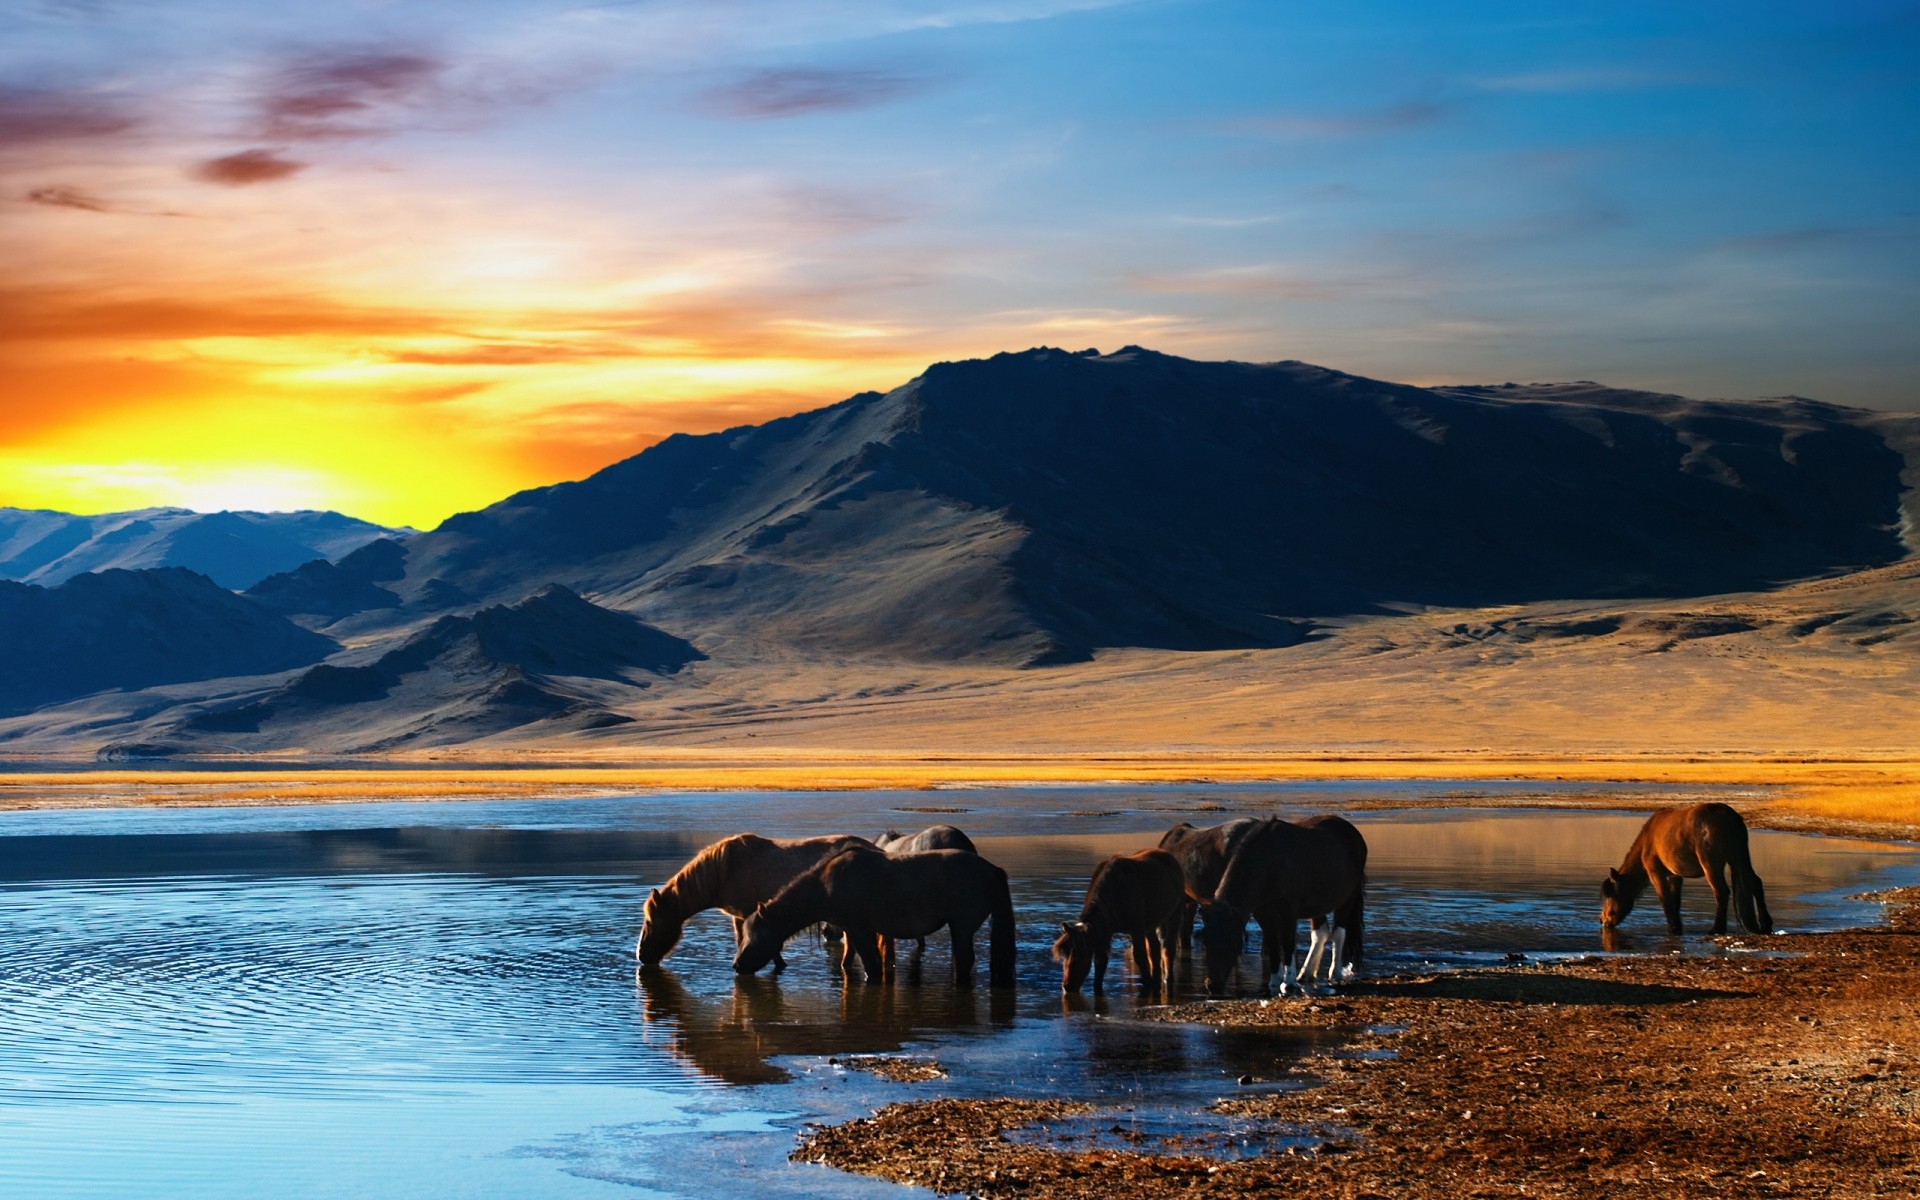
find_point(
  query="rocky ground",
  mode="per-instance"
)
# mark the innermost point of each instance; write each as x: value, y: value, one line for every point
x: 1789, y: 1067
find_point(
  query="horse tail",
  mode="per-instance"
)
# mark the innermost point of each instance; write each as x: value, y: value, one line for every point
x: 1352, y: 917
x: 1749, y: 896
x: 1000, y: 934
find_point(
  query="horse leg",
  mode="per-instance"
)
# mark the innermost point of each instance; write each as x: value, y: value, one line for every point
x: 1278, y: 940
x: 962, y: 955
x: 1101, y: 948
x: 1141, y: 941
x: 1668, y: 886
x: 867, y: 946
x: 1716, y: 879
x: 1318, y: 935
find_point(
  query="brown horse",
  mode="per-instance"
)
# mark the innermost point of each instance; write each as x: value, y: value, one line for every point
x: 871, y: 894
x: 1686, y: 843
x: 1202, y: 854
x: 1142, y: 895
x: 1278, y: 873
x: 736, y: 875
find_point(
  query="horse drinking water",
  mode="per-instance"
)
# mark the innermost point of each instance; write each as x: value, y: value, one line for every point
x: 1686, y: 843
x: 1202, y: 854
x: 870, y: 894
x: 1142, y: 895
x: 736, y: 875
x: 1278, y: 873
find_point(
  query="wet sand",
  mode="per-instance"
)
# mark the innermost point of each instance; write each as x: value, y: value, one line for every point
x: 1791, y: 1072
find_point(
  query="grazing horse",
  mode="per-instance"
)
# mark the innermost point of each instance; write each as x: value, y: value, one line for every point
x: 735, y: 874
x: 1203, y: 855
x: 1279, y: 873
x: 1686, y: 843
x: 1142, y: 895
x: 871, y: 894
x: 933, y: 837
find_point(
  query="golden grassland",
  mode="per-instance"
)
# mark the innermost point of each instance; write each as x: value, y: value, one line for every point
x: 1856, y: 795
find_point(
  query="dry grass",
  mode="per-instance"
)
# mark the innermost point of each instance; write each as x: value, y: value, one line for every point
x: 1880, y: 795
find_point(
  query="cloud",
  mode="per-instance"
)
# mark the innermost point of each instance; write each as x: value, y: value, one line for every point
x: 1583, y: 79
x: 37, y: 116
x: 802, y: 91
x: 1303, y: 126
x: 340, y: 94
x: 61, y: 196
x: 246, y: 168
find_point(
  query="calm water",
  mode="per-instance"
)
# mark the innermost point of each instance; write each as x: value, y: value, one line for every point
x: 440, y: 999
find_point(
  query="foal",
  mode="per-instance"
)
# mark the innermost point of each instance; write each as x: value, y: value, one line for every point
x: 1142, y: 895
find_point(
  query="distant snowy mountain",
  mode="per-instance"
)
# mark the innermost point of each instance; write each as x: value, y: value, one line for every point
x: 234, y: 549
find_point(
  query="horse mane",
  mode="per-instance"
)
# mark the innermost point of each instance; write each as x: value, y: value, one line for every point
x: 1097, y: 888
x: 804, y: 895
x: 698, y: 878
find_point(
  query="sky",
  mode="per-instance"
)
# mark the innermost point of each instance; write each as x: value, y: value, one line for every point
x: 402, y: 259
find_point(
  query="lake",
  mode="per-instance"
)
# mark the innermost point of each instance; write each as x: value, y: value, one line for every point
x: 440, y: 999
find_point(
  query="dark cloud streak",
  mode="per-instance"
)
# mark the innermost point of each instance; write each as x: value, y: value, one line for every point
x: 246, y: 168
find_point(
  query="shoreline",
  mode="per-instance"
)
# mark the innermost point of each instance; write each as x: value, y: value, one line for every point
x: 1785, y: 1072
x: 1873, y: 796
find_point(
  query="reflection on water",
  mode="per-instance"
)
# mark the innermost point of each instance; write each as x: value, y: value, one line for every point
x: 441, y: 999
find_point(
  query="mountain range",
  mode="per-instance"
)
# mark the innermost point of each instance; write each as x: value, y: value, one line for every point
x: 234, y: 549
x: 1032, y: 511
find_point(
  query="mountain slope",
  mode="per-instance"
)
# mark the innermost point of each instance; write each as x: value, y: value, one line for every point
x: 1034, y: 507
x: 136, y: 629
x: 234, y: 549
x: 464, y: 677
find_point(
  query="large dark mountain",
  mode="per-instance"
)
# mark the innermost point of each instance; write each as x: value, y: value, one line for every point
x: 234, y: 549
x: 1034, y: 507
x: 135, y: 629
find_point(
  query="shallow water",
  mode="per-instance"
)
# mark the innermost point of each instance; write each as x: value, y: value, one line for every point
x: 440, y: 999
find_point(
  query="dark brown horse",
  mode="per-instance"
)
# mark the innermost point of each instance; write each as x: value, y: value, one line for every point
x: 1686, y: 843
x: 736, y: 875
x: 933, y: 837
x: 1278, y: 873
x: 1202, y: 854
x: 870, y: 894
x: 1142, y: 895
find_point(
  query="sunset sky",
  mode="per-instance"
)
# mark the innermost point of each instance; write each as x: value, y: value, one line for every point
x: 401, y: 259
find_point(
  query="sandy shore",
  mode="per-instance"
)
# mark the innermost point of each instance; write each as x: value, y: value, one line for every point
x: 1792, y: 1073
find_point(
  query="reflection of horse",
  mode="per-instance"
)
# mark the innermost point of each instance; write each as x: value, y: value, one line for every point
x: 1203, y: 855
x: 1686, y: 843
x: 1279, y: 873
x: 933, y: 837
x: 736, y: 875
x: 734, y: 1037
x: 1142, y: 895
x: 871, y: 894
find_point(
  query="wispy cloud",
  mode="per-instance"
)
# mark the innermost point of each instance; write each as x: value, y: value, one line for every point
x: 803, y: 91
x: 31, y: 117
x: 62, y: 196
x: 248, y: 167
x: 345, y: 94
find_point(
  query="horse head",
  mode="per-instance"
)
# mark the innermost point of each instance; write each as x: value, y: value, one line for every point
x: 1074, y: 949
x: 758, y: 943
x: 660, y: 928
x: 1616, y: 900
x: 1223, y: 934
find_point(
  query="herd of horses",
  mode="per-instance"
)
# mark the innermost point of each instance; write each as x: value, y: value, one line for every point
x: 872, y: 893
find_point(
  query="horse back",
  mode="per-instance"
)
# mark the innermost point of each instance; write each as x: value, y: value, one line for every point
x: 1686, y: 841
x: 1311, y: 867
